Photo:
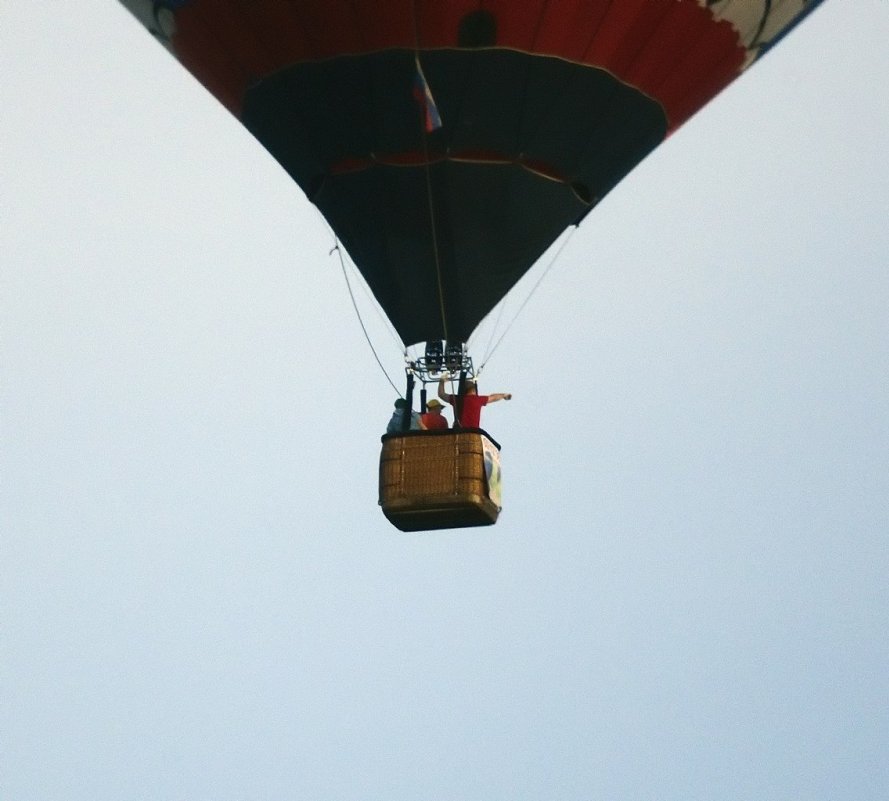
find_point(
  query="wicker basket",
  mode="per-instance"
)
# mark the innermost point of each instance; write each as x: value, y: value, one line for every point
x: 436, y: 479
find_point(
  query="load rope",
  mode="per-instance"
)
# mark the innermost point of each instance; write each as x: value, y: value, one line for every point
x: 537, y: 284
x: 373, y: 350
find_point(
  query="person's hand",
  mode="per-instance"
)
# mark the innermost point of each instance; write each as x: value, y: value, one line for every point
x: 508, y: 396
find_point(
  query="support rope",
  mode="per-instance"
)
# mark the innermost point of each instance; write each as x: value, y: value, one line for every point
x: 339, y: 253
x: 543, y: 275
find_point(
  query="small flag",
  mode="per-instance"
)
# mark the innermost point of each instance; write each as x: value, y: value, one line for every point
x: 423, y: 96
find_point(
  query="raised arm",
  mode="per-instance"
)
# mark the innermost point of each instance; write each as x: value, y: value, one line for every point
x: 499, y: 396
x: 446, y: 397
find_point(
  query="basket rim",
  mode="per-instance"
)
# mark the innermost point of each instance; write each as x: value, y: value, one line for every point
x: 450, y: 432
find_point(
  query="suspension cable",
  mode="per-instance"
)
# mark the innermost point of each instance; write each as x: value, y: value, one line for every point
x: 543, y: 275
x: 339, y: 253
x: 494, y: 329
x: 387, y: 324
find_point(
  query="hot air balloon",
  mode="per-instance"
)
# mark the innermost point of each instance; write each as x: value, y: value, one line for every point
x: 449, y: 142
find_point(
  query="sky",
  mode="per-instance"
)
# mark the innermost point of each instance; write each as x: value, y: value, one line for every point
x: 685, y: 596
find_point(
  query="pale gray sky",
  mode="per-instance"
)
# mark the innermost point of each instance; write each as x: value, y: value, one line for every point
x: 686, y: 595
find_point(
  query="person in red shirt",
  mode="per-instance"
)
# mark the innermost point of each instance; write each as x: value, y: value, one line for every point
x: 470, y: 403
x: 433, y: 418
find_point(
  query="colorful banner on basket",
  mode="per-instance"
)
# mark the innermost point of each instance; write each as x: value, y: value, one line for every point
x: 492, y: 471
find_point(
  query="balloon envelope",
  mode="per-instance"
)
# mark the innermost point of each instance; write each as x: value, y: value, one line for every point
x: 449, y: 145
